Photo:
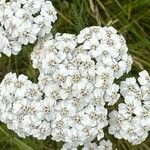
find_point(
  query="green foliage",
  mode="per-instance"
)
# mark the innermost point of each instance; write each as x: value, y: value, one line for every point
x: 130, y: 17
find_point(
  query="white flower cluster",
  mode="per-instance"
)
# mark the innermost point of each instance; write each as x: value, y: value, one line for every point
x: 22, y: 21
x: 77, y: 74
x: 76, y: 81
x: 68, y: 79
x: 132, y: 121
x: 107, y: 48
x: 22, y: 107
x: 103, y: 145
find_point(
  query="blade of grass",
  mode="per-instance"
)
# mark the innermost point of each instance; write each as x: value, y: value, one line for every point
x: 21, y: 145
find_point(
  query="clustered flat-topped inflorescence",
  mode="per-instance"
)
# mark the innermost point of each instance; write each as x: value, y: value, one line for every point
x: 75, y: 85
x: 132, y: 120
x: 25, y: 112
x: 22, y: 21
x: 78, y: 73
x: 21, y: 107
x: 76, y: 81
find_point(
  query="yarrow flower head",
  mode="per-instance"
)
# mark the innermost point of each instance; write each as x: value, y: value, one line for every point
x: 132, y: 120
x: 22, y: 21
x: 77, y: 73
x: 22, y: 107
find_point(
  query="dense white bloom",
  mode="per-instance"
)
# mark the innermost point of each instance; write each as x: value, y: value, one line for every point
x: 132, y: 120
x: 77, y: 73
x: 22, y: 107
x: 107, y: 48
x: 22, y: 22
x: 76, y: 82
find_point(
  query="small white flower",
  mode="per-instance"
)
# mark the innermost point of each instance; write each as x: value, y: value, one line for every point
x: 42, y: 131
x: 76, y: 120
x: 32, y: 5
x: 89, y: 146
x: 21, y: 107
x: 20, y: 85
x: 73, y: 137
x: 119, y: 68
x: 130, y: 107
x: 65, y: 109
x: 58, y: 135
x: 50, y: 63
x: 3, y: 43
x: 112, y: 95
x: 33, y: 93
x: 44, y: 81
x: 129, y: 87
x: 129, y: 61
x: 53, y: 92
x: 13, y: 47
x: 105, y: 145
x: 105, y: 77
x: 144, y: 78
x: 27, y: 34
x: 98, y: 97
x: 45, y: 109
x: 68, y: 146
